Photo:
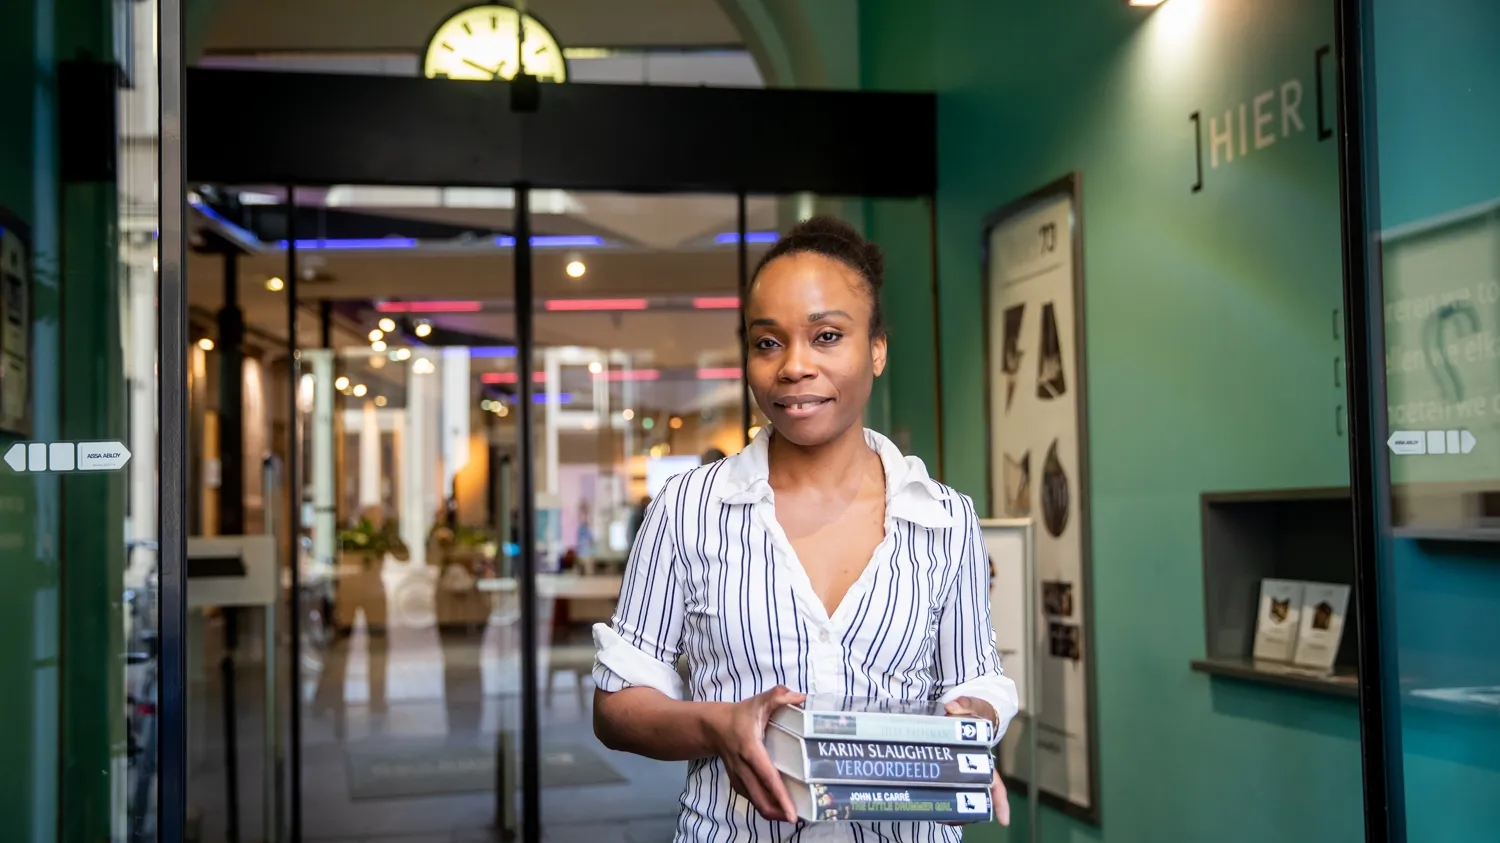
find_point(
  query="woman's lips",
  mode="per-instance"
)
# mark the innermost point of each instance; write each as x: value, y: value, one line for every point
x: 802, y: 406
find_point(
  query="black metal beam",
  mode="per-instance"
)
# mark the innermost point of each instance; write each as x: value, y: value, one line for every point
x: 531, y: 732
x: 1364, y: 351
x: 349, y: 129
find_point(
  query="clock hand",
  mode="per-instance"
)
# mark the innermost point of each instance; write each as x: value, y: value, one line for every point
x: 477, y: 66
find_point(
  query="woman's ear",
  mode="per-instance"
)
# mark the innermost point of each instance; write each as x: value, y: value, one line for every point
x: 877, y: 354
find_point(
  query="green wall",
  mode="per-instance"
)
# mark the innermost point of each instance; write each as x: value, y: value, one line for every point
x: 1210, y: 349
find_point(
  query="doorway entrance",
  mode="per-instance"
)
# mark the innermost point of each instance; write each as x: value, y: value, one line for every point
x: 485, y: 381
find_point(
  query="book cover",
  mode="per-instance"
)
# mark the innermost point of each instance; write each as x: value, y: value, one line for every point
x: 1276, y: 625
x: 1322, y: 624
x: 876, y: 762
x: 909, y: 721
x: 838, y: 802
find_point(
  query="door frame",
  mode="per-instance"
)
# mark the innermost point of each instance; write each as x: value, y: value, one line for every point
x: 334, y: 129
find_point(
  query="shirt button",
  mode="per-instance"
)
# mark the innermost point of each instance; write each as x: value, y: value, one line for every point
x: 825, y: 636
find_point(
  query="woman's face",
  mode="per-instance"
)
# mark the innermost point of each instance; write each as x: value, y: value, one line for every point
x: 812, y: 359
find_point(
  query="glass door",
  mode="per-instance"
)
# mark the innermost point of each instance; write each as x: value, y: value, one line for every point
x: 1424, y: 228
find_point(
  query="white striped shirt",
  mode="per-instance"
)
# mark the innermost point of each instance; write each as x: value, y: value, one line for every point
x: 713, y: 576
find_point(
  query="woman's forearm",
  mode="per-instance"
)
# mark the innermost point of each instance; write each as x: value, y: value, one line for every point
x: 647, y: 722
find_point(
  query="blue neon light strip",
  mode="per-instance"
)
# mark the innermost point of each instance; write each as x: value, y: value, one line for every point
x: 556, y: 241
x: 750, y: 237
x: 355, y: 243
x: 493, y: 351
x: 207, y: 210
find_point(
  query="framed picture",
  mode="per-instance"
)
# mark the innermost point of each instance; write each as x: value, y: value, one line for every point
x: 15, y: 326
x: 1038, y: 465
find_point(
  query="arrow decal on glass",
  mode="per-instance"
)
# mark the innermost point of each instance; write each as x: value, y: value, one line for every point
x: 56, y: 457
x: 1435, y: 442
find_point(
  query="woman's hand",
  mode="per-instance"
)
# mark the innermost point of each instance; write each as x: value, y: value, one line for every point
x: 974, y: 707
x: 739, y: 734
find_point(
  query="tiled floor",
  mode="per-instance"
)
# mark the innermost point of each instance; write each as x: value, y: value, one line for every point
x: 419, y: 688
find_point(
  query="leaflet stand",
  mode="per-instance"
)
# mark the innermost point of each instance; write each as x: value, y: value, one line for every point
x: 1030, y: 641
x: 231, y: 573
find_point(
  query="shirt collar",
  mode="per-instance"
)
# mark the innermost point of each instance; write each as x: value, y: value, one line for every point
x: 909, y: 493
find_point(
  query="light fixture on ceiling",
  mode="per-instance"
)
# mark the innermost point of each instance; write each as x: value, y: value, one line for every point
x: 576, y: 269
x: 627, y: 415
x: 401, y: 354
x: 377, y: 347
x: 380, y: 400
x: 378, y: 361
x: 423, y: 329
x: 360, y: 390
x: 423, y: 366
x: 206, y: 344
x: 275, y: 284
x: 377, y: 335
x: 387, y: 324
x: 596, y: 367
x: 341, y: 383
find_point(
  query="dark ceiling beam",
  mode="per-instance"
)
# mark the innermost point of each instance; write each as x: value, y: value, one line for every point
x: 252, y: 127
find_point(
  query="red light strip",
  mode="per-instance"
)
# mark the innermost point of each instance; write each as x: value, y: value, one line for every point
x: 717, y: 303
x: 595, y: 304
x: 510, y: 377
x: 428, y: 306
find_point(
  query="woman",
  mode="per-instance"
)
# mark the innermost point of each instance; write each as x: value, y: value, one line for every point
x: 818, y: 560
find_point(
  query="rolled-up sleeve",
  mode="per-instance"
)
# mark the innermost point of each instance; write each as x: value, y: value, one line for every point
x: 640, y: 646
x: 967, y: 663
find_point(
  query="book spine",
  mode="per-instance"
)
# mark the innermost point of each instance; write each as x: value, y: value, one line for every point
x: 950, y: 731
x: 908, y: 804
x: 853, y: 761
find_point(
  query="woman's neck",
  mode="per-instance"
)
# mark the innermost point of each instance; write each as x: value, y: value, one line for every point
x: 843, y: 460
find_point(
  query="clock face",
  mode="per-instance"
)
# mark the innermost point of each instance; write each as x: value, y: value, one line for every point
x: 480, y: 43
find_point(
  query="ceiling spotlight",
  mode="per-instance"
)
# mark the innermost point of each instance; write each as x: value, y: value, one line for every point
x: 378, y: 346
x: 675, y: 423
x: 380, y: 400
x: 341, y: 383
x: 596, y: 367
x: 206, y: 344
x: 387, y: 324
x: 376, y: 335
x: 423, y: 329
x: 402, y: 354
x: 360, y: 390
x: 275, y: 284
x: 423, y: 366
x: 576, y: 269
x: 378, y: 361
x: 627, y: 415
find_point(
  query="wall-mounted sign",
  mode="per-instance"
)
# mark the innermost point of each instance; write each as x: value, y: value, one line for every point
x: 1258, y: 123
x: 15, y: 326
x: 494, y: 42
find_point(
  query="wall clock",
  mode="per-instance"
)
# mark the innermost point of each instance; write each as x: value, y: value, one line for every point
x: 481, y: 43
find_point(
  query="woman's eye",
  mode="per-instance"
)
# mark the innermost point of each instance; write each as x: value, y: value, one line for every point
x: 765, y: 343
x: 830, y: 336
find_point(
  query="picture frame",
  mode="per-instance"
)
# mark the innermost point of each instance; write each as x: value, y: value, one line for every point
x: 1037, y: 462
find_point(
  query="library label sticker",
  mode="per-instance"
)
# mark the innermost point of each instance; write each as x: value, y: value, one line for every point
x: 56, y: 457
x: 1431, y: 442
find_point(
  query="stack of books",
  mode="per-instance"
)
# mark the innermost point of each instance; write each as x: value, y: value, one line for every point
x: 882, y: 760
